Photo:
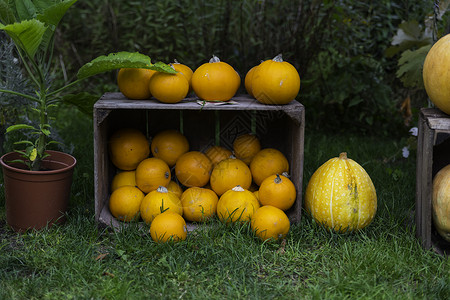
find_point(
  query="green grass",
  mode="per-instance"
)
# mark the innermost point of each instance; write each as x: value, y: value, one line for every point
x: 79, y: 260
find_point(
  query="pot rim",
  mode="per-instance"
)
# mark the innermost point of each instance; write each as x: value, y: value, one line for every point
x: 68, y: 166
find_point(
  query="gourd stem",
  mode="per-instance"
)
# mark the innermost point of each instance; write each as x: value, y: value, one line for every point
x: 278, y: 58
x: 277, y: 179
x: 214, y: 59
x: 343, y: 155
x: 238, y: 188
x: 162, y: 189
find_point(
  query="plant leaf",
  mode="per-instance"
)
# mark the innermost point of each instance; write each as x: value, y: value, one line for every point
x: 26, y: 34
x: 51, y: 15
x: 19, y: 127
x: 83, y: 101
x: 54, y: 13
x: 6, y: 13
x: 411, y: 65
x: 25, y: 9
x: 121, y: 60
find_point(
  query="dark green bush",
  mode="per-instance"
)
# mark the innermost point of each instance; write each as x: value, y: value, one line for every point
x: 338, y: 47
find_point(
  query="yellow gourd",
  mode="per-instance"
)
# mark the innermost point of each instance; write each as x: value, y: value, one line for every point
x: 341, y: 196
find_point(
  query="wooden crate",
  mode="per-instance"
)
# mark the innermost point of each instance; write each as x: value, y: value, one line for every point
x: 280, y: 127
x: 433, y: 153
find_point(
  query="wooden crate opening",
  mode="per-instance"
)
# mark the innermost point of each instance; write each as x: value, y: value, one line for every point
x: 280, y: 127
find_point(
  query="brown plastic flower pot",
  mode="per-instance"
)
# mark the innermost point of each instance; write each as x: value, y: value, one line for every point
x: 35, y: 199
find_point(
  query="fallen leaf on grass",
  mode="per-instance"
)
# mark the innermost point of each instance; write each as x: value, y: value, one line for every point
x: 101, y: 256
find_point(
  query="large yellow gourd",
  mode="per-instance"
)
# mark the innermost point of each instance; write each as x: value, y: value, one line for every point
x: 341, y: 196
x: 441, y: 202
x: 436, y: 74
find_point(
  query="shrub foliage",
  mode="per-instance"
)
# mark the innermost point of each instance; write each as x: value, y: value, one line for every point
x: 338, y: 47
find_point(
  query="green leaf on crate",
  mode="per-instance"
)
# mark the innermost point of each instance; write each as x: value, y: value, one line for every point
x: 26, y: 34
x: 121, y: 60
x: 411, y: 65
x: 83, y: 101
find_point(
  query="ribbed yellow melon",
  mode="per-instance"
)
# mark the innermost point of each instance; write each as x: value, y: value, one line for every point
x: 341, y: 196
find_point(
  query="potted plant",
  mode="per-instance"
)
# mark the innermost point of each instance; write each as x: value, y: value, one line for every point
x: 37, y: 180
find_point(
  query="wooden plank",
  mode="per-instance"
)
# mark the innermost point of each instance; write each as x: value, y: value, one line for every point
x: 239, y: 102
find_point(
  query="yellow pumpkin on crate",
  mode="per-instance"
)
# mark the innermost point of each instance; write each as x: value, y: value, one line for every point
x: 185, y: 70
x: 237, y: 205
x: 441, y: 202
x: 341, y: 196
x: 157, y: 202
x: 275, y: 82
x: 124, y: 203
x: 175, y: 188
x: 134, y: 82
x: 127, y: 148
x: 278, y: 191
x: 246, y: 146
x: 169, y: 88
x: 248, y: 80
x: 215, y: 81
x: 436, y: 74
x: 151, y: 173
x: 217, y: 154
x: 169, y: 145
x: 229, y: 173
x: 199, y: 204
x: 193, y: 168
x: 268, y: 161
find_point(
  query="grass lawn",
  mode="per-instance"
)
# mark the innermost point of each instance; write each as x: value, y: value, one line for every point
x: 80, y: 260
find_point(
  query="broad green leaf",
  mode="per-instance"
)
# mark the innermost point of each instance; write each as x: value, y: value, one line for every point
x: 411, y: 65
x: 27, y: 34
x: 6, y: 13
x: 121, y: 60
x: 19, y: 127
x: 51, y: 16
x: 409, y: 35
x: 42, y: 5
x: 25, y: 9
x: 54, y: 13
x: 83, y: 101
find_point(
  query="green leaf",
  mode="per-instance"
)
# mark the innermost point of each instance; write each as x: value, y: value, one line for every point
x: 19, y: 127
x: 409, y: 35
x: 411, y: 65
x: 6, y: 13
x: 121, y: 60
x: 27, y: 34
x: 83, y: 101
x: 54, y: 13
x: 25, y: 9
x: 23, y: 142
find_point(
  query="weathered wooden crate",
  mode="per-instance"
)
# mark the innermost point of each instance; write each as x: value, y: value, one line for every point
x: 433, y: 153
x: 280, y: 127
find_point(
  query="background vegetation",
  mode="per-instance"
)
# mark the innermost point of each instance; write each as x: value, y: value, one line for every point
x: 338, y: 47
x: 353, y: 99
